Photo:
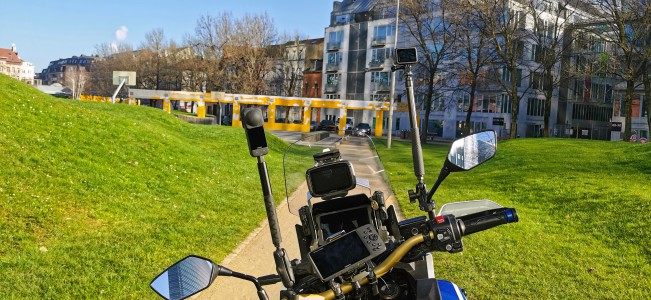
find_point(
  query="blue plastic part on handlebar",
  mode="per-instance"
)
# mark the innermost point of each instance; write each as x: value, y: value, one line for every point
x: 510, y: 218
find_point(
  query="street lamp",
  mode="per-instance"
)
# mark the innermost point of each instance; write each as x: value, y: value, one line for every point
x: 393, y: 82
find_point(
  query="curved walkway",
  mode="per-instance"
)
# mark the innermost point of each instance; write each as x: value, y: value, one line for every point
x: 254, y: 256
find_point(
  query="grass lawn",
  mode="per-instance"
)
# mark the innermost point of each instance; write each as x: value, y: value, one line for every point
x: 584, y: 230
x: 97, y: 199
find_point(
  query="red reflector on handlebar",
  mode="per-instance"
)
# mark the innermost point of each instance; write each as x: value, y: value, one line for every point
x: 440, y: 219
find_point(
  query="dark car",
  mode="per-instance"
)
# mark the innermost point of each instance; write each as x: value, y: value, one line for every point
x: 363, y: 129
x: 327, y: 125
x: 313, y: 125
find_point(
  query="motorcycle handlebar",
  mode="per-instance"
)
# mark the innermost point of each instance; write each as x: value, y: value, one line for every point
x: 499, y: 217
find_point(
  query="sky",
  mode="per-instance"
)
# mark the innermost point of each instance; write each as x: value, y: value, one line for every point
x: 46, y: 30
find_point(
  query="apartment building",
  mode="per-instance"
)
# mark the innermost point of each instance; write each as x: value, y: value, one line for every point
x: 592, y: 105
x: 358, y: 55
x: 59, y: 71
x: 12, y: 65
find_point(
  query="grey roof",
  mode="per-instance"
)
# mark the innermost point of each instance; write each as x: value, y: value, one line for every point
x: 358, y: 6
x: 54, y: 89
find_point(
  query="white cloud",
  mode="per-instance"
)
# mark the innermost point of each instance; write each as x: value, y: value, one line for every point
x: 121, y: 33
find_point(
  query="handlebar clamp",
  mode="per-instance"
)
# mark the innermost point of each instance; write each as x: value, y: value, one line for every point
x: 447, y: 234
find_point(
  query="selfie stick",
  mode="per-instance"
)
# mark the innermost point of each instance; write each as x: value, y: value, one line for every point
x: 253, y: 122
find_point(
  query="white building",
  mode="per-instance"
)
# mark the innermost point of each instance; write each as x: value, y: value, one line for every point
x: 358, y: 58
x: 357, y: 55
x: 12, y: 65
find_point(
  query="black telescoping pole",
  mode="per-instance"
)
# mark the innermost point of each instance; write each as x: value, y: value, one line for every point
x: 253, y: 122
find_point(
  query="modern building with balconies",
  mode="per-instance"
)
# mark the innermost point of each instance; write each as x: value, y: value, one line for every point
x: 358, y: 54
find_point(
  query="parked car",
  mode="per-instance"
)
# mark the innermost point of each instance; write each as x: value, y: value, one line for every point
x: 348, y: 127
x: 313, y: 126
x: 327, y: 125
x: 227, y: 120
x: 349, y: 123
x: 363, y: 129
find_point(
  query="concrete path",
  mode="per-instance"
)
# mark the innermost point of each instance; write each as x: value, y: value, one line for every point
x: 254, y: 255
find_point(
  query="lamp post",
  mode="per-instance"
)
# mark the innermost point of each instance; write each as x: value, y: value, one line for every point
x: 392, y: 91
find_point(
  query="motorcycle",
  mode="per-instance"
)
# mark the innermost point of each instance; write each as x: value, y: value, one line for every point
x: 352, y: 245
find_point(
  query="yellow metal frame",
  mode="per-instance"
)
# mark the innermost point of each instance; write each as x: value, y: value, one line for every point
x: 307, y: 104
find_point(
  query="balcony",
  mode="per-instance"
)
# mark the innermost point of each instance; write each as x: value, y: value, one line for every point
x: 332, y: 87
x: 380, y: 87
x: 376, y: 64
x: 333, y: 46
x: 332, y: 67
x: 379, y: 42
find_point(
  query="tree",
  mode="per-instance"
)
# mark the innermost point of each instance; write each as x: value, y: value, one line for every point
x: 548, y: 48
x: 626, y: 27
x: 109, y: 59
x: 474, y: 54
x: 428, y: 24
x: 289, y: 57
x: 76, y: 78
x: 505, y: 24
x: 254, y: 34
x: 212, y: 35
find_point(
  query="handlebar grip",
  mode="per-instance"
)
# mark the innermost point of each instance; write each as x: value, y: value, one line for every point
x: 500, y: 217
x: 269, y: 279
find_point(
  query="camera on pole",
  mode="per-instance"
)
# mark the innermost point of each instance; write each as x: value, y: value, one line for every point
x: 406, y: 56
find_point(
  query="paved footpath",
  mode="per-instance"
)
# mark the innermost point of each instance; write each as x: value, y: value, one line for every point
x: 254, y: 255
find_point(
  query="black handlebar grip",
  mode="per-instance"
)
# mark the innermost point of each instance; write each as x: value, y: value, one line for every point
x: 500, y: 217
x: 269, y: 279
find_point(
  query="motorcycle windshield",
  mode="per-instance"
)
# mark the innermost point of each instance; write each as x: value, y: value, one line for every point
x: 358, y: 149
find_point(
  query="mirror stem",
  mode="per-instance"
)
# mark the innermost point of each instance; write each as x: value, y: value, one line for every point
x: 444, y: 174
x: 262, y: 295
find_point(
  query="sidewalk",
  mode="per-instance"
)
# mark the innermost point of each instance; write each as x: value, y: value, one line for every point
x: 254, y: 255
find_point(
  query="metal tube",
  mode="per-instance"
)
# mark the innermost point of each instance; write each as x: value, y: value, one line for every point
x: 269, y: 203
x: 393, y: 83
x: 419, y: 166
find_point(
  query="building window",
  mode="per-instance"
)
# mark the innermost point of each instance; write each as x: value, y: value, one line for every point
x: 535, y: 107
x: 506, y: 75
x: 380, y: 33
x: 380, y: 77
x: 591, y: 112
x: 289, y: 114
x: 463, y: 102
x: 332, y: 79
x: 536, y: 81
x: 503, y: 104
x: 333, y: 96
x: 334, y: 58
x: 334, y: 39
x: 438, y: 103
x: 380, y: 97
x: 381, y: 54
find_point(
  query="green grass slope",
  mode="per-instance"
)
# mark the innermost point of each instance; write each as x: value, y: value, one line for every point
x: 96, y: 199
x: 584, y: 230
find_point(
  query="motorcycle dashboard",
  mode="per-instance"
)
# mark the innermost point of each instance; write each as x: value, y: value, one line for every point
x: 347, y: 253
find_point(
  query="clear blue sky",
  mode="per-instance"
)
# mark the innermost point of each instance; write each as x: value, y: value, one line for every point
x: 46, y: 30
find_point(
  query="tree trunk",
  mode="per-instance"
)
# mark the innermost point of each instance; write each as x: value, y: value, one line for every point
x: 647, y: 98
x: 549, y: 91
x: 428, y: 107
x: 515, y: 108
x: 471, y: 107
x: 628, y: 107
